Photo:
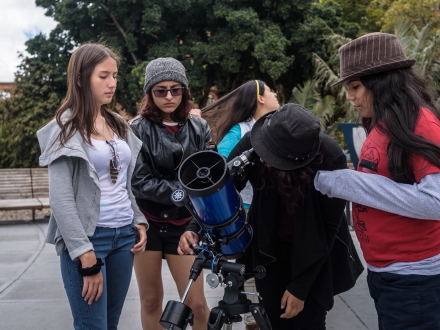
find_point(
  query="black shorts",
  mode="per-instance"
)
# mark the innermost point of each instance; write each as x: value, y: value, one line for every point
x: 164, y: 236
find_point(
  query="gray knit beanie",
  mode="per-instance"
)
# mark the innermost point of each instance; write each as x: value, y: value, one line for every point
x: 164, y: 68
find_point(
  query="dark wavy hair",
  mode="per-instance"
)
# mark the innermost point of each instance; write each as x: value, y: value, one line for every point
x: 290, y: 184
x: 398, y: 96
x: 148, y: 109
x: 233, y: 108
x: 79, y: 97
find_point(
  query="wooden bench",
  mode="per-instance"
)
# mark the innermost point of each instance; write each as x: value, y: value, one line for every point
x: 24, y: 189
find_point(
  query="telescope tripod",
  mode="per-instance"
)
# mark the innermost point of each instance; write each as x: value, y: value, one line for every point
x: 229, y: 275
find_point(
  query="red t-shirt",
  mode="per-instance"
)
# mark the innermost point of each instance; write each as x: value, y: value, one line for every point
x: 171, y: 128
x: 385, y: 237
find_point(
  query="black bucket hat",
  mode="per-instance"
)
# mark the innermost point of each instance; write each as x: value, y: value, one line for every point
x: 287, y: 138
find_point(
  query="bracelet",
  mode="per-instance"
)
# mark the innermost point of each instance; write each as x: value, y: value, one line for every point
x: 89, y: 271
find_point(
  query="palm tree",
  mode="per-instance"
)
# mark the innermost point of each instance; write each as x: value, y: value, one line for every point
x: 308, y: 97
x: 327, y: 102
x: 317, y: 95
x: 424, y: 46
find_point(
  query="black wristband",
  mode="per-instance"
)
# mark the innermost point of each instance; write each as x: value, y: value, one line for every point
x: 89, y: 271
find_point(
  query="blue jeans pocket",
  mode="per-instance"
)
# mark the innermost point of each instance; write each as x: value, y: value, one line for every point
x: 134, y: 230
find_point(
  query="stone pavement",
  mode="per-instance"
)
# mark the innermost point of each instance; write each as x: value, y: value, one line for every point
x: 32, y: 294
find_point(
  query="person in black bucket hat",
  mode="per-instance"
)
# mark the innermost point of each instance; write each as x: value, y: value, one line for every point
x: 272, y: 137
x: 301, y: 237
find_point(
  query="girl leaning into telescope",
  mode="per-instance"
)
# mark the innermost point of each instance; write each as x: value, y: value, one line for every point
x: 169, y: 134
x: 301, y: 236
x: 91, y: 153
x: 230, y: 118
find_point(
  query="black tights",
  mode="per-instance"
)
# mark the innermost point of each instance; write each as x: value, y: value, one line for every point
x: 272, y: 288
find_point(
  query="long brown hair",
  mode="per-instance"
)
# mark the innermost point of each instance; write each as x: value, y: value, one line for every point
x: 233, y: 108
x: 148, y: 109
x: 79, y: 98
x: 398, y: 97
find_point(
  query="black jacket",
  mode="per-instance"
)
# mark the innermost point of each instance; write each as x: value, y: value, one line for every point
x: 155, y: 174
x: 324, y: 261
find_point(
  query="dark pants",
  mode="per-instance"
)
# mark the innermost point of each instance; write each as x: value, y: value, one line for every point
x: 164, y: 236
x: 407, y: 302
x: 272, y: 289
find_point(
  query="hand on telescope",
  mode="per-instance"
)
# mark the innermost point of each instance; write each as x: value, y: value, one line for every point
x: 292, y: 304
x: 187, y: 240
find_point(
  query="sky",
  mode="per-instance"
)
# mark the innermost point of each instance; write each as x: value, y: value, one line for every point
x: 20, y: 20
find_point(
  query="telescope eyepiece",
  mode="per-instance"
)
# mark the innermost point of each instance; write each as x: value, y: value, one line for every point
x: 236, y: 166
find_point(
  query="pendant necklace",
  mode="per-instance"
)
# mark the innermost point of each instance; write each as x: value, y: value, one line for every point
x: 115, y: 161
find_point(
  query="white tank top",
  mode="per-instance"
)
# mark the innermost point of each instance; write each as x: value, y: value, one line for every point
x: 115, y: 205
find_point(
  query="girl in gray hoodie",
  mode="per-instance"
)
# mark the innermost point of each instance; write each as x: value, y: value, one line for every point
x: 95, y: 224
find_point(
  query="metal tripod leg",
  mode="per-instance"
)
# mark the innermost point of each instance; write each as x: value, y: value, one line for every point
x: 260, y: 316
x: 216, y: 318
x: 176, y: 313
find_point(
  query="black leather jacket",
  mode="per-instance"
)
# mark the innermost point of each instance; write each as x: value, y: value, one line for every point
x: 155, y: 174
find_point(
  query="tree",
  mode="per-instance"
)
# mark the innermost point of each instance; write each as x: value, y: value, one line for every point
x: 361, y: 14
x: 309, y: 98
x: 330, y: 104
x: 418, y: 12
x: 40, y: 87
x: 220, y: 42
x: 423, y: 45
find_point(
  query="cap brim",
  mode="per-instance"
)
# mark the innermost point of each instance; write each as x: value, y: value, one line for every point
x: 377, y: 69
x: 269, y: 156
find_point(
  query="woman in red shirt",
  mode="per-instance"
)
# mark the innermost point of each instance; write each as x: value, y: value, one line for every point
x: 396, y: 189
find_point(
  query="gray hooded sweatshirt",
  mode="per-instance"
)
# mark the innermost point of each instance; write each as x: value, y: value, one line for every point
x: 74, y: 191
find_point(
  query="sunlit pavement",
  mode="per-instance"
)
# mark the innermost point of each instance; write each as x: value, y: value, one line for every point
x: 32, y: 294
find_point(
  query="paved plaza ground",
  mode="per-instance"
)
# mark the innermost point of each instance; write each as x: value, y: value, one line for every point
x: 32, y: 294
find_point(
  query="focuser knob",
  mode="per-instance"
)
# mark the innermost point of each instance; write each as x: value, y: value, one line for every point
x: 213, y: 280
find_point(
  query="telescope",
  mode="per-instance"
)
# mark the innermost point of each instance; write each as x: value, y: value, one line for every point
x: 210, y: 196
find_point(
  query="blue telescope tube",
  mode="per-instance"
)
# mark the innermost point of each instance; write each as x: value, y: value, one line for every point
x: 205, y: 177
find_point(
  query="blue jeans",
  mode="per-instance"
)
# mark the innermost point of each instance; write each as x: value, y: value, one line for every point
x: 406, y: 301
x: 113, y: 246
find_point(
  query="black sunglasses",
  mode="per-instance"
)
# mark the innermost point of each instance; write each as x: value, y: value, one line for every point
x: 176, y: 91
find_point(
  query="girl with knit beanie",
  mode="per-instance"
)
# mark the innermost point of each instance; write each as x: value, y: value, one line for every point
x: 169, y: 134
